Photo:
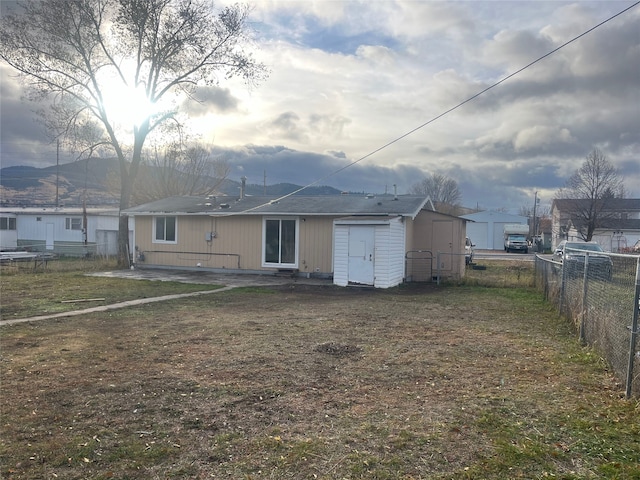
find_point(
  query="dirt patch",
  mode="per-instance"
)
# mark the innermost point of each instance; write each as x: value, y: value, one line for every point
x: 333, y: 348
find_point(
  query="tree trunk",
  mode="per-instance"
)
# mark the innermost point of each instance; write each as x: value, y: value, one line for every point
x: 127, y: 181
x: 124, y: 258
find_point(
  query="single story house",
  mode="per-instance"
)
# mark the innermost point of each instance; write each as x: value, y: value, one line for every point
x: 613, y: 235
x: 486, y: 228
x: 618, y: 226
x: 70, y: 231
x: 355, y: 239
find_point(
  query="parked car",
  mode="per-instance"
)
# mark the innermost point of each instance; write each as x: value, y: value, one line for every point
x: 573, y: 256
x: 559, y: 251
x: 636, y: 247
x: 468, y: 251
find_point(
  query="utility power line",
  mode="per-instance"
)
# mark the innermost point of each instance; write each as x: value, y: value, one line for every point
x: 464, y: 102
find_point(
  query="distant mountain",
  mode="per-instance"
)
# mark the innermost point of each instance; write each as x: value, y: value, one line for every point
x: 20, y: 177
x: 17, y: 169
x: 280, y: 189
x: 32, y: 186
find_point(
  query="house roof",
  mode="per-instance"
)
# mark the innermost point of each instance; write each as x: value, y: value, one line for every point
x: 612, y: 204
x: 101, y: 211
x: 494, y: 216
x: 343, y: 205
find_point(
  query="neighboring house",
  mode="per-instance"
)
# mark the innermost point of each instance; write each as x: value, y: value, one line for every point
x: 60, y: 230
x: 618, y: 228
x: 544, y: 233
x: 486, y: 229
x: 361, y: 240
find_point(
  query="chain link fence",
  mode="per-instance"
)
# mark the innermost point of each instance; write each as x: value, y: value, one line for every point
x: 600, y: 293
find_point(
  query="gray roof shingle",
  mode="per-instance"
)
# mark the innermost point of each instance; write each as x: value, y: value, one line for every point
x: 611, y: 204
x: 406, y: 205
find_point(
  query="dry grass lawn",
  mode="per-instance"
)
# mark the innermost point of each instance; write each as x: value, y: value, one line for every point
x: 295, y: 382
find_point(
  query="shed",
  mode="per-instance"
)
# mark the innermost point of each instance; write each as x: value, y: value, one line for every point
x: 369, y: 251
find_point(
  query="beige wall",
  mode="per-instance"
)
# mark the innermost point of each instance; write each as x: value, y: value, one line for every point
x: 237, y: 243
x: 435, y: 232
x: 316, y: 245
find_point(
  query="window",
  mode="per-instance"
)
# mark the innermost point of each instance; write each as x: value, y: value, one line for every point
x: 164, y: 230
x: 280, y: 242
x: 73, y: 223
x: 7, y: 223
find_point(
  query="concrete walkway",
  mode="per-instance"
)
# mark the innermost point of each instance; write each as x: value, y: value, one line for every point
x: 201, y: 277
x: 206, y: 277
x: 113, y: 306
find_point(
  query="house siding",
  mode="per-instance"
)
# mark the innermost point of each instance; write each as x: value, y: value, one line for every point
x: 46, y: 230
x: 315, y: 252
x: 417, y: 263
x: 397, y: 251
x: 237, y: 243
x: 611, y: 240
x: 425, y: 235
x: 234, y: 241
x: 382, y: 248
x: 389, y: 256
x: 341, y: 256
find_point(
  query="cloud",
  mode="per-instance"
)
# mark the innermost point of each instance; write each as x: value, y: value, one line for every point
x: 286, y: 126
x: 23, y: 138
x: 355, y: 80
x: 207, y: 100
x: 513, y: 49
x: 541, y: 137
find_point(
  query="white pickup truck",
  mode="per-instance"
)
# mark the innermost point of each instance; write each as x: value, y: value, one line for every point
x: 515, y: 237
x: 468, y: 251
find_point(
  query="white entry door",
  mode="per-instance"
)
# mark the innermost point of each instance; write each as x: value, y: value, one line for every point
x: 49, y: 236
x: 361, y: 254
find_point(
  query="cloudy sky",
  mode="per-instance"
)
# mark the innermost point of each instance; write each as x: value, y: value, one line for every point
x: 349, y: 78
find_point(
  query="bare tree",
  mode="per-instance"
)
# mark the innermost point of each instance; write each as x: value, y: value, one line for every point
x: 180, y: 171
x: 74, y: 52
x: 535, y: 215
x: 587, y: 194
x: 440, y: 189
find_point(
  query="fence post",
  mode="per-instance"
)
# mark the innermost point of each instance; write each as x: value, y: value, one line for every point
x: 563, y: 283
x: 545, y: 279
x: 585, y: 298
x: 634, y: 331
